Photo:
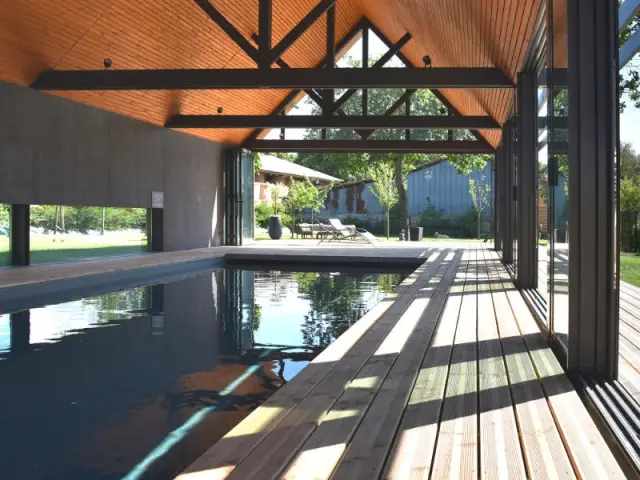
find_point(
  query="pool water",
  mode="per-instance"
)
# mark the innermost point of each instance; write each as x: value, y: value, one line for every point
x: 138, y: 383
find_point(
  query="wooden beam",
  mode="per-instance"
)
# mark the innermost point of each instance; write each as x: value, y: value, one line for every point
x: 334, y: 121
x: 255, y: 79
x: 229, y: 29
x: 296, y: 32
x: 395, y: 146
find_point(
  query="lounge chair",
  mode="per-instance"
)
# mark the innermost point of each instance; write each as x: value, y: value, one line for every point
x: 337, y: 231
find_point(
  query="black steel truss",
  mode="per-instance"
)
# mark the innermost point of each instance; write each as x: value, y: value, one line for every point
x: 396, y: 146
x: 334, y: 121
x: 275, y: 78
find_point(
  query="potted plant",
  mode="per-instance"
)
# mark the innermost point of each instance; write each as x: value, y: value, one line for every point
x: 275, y: 221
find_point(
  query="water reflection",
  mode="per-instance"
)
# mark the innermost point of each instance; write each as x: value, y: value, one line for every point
x: 93, y: 387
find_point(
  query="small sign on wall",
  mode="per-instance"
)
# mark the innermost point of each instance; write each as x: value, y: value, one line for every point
x: 157, y: 199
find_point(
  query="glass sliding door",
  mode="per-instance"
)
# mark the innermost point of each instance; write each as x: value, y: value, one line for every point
x: 558, y: 148
x: 247, y: 186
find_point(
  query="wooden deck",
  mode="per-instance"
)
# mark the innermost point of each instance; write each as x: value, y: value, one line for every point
x: 629, y: 366
x: 448, y: 378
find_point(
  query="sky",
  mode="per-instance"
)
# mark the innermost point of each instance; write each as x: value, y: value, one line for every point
x: 629, y: 120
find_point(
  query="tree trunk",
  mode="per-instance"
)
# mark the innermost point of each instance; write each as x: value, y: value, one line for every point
x: 402, y: 196
x: 55, y: 223
x: 103, y: 218
x: 62, y: 218
x: 478, y: 224
x: 386, y: 217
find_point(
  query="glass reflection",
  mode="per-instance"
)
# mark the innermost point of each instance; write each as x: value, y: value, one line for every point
x: 558, y: 113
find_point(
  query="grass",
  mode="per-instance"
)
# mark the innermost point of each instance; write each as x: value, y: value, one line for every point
x: 265, y: 236
x: 630, y: 268
x: 48, y: 249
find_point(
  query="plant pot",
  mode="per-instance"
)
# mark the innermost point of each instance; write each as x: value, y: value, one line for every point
x: 275, y: 227
x: 415, y: 234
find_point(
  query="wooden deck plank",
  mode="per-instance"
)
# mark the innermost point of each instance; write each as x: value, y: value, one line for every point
x: 403, y: 395
x: 412, y: 453
x: 543, y: 449
x: 367, y: 452
x: 590, y: 455
x: 282, y: 442
x: 457, y: 449
x: 501, y: 451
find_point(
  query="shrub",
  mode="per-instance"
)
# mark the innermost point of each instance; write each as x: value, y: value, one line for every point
x: 262, y: 213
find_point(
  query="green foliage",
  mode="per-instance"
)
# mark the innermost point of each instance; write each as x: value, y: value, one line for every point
x: 276, y: 194
x: 479, y: 191
x: 433, y: 220
x: 4, y: 214
x: 384, y: 188
x: 85, y: 219
x: 630, y: 195
x: 257, y: 162
x: 262, y: 212
x: 629, y: 76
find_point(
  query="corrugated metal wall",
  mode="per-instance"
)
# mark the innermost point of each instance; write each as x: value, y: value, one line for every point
x: 447, y: 189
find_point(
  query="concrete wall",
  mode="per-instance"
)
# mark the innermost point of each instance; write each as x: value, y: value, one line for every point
x: 55, y: 151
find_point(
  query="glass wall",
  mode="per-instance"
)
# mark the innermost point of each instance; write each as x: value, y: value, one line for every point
x: 557, y: 116
x: 4, y: 235
x: 61, y: 232
x: 247, y: 197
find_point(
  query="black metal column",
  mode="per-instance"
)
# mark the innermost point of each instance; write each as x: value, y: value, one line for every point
x: 155, y: 229
x: 507, y: 192
x: 593, y: 142
x: 527, y: 173
x: 498, y: 199
x: 20, y: 235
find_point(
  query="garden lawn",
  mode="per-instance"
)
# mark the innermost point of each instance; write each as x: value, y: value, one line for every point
x: 48, y: 249
x: 630, y: 268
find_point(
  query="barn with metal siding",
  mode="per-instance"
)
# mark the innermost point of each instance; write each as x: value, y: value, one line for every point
x: 439, y: 184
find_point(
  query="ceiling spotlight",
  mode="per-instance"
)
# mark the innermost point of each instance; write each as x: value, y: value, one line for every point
x: 107, y: 62
x: 427, y: 61
x: 220, y: 110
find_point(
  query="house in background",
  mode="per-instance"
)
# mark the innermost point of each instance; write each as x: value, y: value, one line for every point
x: 275, y: 170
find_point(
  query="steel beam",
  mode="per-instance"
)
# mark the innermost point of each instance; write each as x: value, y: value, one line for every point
x: 229, y: 29
x: 593, y: 142
x: 20, y: 235
x: 395, y: 146
x: 296, y: 32
x: 264, y: 33
x: 251, y: 79
x: 527, y: 225
x: 334, y: 121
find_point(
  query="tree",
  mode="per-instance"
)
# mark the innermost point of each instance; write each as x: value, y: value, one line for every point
x: 276, y: 193
x: 384, y: 188
x: 480, y: 196
x: 630, y: 76
x: 304, y: 195
x: 355, y: 166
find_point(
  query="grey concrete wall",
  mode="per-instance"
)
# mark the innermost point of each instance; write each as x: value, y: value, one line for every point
x: 57, y: 152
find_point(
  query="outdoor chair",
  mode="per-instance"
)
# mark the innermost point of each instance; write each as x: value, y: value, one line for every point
x: 338, y: 231
x: 304, y: 230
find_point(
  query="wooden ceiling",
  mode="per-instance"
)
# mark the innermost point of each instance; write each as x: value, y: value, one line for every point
x: 79, y: 34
